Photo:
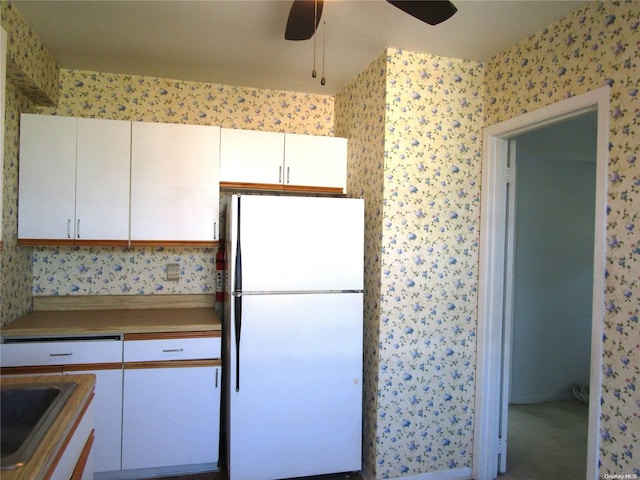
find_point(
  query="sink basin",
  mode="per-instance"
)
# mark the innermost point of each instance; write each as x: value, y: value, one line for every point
x: 27, y: 412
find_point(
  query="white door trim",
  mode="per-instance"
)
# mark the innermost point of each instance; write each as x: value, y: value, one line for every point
x: 492, y: 267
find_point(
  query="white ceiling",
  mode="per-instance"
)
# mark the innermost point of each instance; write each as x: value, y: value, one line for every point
x: 242, y: 42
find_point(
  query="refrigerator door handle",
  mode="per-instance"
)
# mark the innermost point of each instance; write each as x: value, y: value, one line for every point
x: 238, y: 315
x: 238, y: 300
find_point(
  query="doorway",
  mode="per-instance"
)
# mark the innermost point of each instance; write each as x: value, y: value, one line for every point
x: 547, y: 322
x: 493, y: 363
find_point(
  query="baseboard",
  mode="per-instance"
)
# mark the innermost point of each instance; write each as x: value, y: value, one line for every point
x: 366, y: 474
x: 456, y: 474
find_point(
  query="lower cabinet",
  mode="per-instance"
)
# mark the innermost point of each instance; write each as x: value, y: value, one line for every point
x: 75, y: 461
x: 101, y: 356
x: 171, y: 399
x: 107, y: 418
x: 170, y: 415
x: 157, y: 396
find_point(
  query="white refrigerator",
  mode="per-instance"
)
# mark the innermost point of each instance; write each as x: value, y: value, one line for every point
x: 293, y: 336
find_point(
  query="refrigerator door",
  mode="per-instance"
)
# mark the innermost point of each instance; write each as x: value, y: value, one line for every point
x: 298, y: 243
x: 298, y: 409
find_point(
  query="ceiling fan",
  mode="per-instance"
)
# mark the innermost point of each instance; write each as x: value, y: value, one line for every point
x: 304, y: 16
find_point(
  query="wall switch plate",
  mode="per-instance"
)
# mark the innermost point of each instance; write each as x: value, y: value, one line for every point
x: 173, y: 272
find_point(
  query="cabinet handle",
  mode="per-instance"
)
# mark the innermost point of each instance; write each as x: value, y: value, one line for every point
x: 279, y: 174
x: 171, y: 350
x: 216, y: 378
x: 215, y: 230
x: 68, y: 354
x: 69, y: 228
x: 288, y: 174
x: 78, y: 229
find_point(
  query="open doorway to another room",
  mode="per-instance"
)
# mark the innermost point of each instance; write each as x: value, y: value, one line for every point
x: 553, y: 175
x: 497, y: 295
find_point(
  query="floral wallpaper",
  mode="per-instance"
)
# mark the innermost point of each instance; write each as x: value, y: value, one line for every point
x: 414, y: 121
x: 422, y: 243
x: 152, y: 99
x: 30, y: 66
x: 595, y: 46
x: 31, y: 76
x: 121, y: 271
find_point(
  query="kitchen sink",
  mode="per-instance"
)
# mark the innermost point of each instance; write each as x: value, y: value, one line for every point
x: 27, y: 412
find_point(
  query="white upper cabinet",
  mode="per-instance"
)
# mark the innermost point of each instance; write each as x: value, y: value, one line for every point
x: 250, y: 157
x: 174, y: 183
x: 74, y: 180
x: 314, y: 161
x: 102, y: 179
x: 275, y: 161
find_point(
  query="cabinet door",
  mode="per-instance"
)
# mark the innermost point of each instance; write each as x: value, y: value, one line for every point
x: 174, y: 183
x: 102, y: 185
x: 251, y: 158
x: 171, y: 416
x: 107, y: 418
x: 74, y: 443
x: 315, y: 161
x: 46, y: 209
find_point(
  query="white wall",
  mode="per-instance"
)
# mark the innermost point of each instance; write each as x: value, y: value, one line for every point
x: 555, y: 198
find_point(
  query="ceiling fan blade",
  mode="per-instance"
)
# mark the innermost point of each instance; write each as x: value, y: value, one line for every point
x: 301, y: 25
x: 431, y: 12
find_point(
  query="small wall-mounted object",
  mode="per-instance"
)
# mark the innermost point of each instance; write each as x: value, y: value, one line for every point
x: 173, y: 272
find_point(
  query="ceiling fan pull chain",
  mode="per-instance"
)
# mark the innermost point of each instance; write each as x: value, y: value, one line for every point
x: 315, y: 22
x: 324, y: 42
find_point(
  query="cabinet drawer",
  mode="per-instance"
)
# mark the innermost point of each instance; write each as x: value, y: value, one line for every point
x: 61, y: 353
x: 171, y: 349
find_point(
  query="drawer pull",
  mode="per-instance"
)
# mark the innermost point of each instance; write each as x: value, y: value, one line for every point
x: 171, y: 350
x: 61, y: 354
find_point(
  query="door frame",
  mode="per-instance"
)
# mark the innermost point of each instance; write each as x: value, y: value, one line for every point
x: 492, y: 270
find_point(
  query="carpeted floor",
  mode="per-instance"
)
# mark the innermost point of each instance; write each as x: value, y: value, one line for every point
x: 547, y: 440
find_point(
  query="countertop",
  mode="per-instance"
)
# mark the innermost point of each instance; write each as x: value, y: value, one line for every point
x: 112, y: 321
x: 48, y: 450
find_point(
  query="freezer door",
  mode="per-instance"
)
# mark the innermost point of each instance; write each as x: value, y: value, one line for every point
x: 298, y: 410
x: 299, y: 243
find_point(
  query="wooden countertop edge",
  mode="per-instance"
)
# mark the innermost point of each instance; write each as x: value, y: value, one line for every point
x: 47, y: 452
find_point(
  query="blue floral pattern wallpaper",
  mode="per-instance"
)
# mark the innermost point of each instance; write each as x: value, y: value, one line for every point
x: 415, y: 122
x: 422, y: 243
x: 595, y: 46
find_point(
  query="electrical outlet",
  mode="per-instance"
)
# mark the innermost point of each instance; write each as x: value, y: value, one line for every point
x: 219, y: 281
x: 173, y: 272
